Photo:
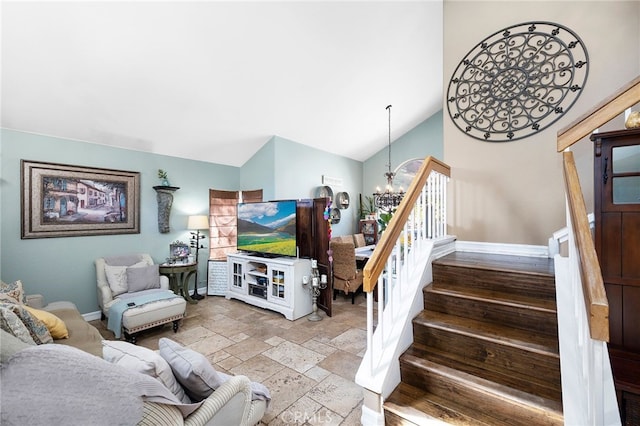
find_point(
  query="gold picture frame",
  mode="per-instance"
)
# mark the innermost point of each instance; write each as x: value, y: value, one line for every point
x: 61, y: 200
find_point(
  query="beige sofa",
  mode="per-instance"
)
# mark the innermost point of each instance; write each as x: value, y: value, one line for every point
x: 82, y: 335
x: 230, y: 404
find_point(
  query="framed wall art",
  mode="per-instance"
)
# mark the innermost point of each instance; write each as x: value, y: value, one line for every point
x: 60, y: 200
x: 179, y: 252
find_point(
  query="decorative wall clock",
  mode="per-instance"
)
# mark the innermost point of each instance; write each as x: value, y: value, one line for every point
x: 518, y: 81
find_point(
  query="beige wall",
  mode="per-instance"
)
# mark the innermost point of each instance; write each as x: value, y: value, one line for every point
x: 512, y: 192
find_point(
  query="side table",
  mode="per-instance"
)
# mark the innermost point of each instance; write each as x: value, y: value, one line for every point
x: 179, y: 274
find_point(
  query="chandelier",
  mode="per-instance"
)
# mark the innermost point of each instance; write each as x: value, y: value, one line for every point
x: 389, y: 199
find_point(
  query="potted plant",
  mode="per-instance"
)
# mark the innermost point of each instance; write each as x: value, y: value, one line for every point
x: 163, y: 176
x: 384, y: 219
x: 367, y: 209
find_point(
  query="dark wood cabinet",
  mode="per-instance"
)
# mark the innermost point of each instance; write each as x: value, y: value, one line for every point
x: 313, y: 242
x: 369, y: 228
x: 617, y: 241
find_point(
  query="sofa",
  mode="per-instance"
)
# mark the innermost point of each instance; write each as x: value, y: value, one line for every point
x: 84, y: 379
x: 82, y: 335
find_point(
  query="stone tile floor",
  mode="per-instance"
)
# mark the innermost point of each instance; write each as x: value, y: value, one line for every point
x: 309, y: 367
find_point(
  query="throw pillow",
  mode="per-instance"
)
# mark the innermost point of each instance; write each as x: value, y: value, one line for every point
x: 143, y: 278
x: 55, y: 325
x: 38, y: 331
x: 145, y: 361
x: 14, y: 290
x: 117, y: 277
x: 9, y: 345
x: 4, y: 297
x: 12, y: 324
x: 192, y: 369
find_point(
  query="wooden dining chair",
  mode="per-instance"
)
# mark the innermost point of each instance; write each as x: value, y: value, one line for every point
x: 346, y: 276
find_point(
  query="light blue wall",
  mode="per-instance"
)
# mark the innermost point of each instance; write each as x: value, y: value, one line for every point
x: 299, y: 171
x: 62, y: 268
x: 423, y: 140
x: 259, y: 171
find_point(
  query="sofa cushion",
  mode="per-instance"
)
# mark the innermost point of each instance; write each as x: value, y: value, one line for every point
x: 117, y: 277
x: 192, y: 369
x: 38, y: 331
x: 12, y: 324
x: 145, y: 361
x: 82, y: 335
x: 143, y: 278
x: 14, y: 290
x: 55, y: 325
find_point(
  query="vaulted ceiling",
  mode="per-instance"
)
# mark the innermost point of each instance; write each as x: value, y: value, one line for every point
x: 213, y: 81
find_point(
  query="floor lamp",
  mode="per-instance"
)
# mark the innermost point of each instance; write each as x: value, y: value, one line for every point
x: 196, y: 223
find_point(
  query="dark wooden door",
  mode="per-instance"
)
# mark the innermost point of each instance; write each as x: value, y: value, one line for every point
x: 617, y: 241
x: 617, y: 230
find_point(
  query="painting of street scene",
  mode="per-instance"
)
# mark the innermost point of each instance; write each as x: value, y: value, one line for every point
x: 60, y: 200
x: 83, y: 201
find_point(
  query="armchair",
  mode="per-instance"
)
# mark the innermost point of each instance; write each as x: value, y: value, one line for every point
x: 230, y: 404
x: 134, y: 279
x: 346, y: 276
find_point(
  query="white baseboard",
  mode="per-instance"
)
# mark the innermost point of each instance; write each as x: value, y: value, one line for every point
x: 92, y: 316
x: 502, y: 248
x: 371, y: 417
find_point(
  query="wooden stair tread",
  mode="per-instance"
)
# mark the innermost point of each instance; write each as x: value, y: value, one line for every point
x: 527, y: 340
x: 505, y: 398
x: 485, y: 348
x: 521, y: 264
x: 512, y: 379
x: 420, y: 407
x: 498, y: 297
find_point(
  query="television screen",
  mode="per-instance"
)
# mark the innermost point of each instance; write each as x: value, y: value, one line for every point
x: 267, y: 227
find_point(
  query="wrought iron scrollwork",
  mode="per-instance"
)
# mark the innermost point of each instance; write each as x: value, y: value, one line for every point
x: 518, y: 81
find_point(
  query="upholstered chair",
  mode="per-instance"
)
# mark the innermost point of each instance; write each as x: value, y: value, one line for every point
x: 133, y: 281
x: 346, y: 276
x: 359, y: 241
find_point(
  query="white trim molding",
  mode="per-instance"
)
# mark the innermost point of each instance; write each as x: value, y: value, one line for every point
x: 503, y: 248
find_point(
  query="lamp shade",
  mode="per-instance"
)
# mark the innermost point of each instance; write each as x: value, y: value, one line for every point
x: 198, y: 222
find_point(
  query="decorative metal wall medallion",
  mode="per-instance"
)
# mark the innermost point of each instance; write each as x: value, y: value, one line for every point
x: 518, y: 81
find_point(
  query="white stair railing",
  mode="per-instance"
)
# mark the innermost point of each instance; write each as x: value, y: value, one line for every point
x: 398, y: 269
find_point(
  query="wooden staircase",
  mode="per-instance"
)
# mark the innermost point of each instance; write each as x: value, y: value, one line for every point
x: 485, y: 347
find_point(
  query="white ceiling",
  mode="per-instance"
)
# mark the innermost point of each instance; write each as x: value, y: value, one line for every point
x: 213, y: 81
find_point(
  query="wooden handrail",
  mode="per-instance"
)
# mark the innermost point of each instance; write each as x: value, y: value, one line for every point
x: 375, y: 264
x: 627, y: 96
x: 595, y: 295
x: 592, y: 283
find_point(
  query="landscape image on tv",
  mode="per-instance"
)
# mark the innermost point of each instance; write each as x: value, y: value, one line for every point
x: 267, y: 227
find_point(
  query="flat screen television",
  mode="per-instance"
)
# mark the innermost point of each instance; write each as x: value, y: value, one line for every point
x: 267, y: 228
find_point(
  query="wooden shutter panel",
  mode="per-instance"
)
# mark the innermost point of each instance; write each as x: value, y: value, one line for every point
x: 223, y: 226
